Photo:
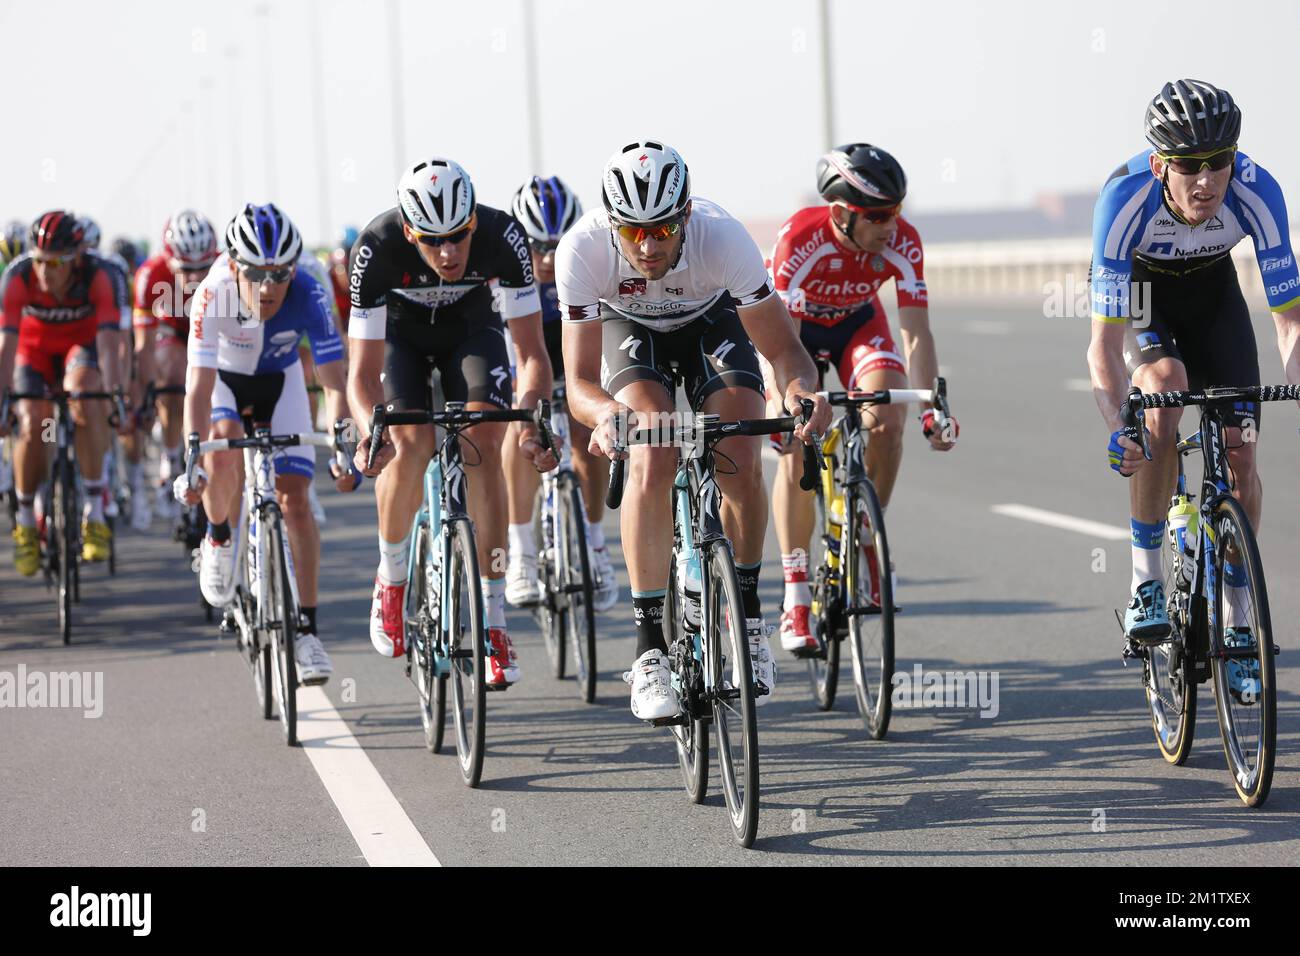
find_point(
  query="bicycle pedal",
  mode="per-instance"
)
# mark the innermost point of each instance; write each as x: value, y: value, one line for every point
x: 496, y: 688
x: 761, y: 689
x: 677, y: 720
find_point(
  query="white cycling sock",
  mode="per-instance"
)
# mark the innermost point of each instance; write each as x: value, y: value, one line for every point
x: 393, y: 560
x: 521, y: 541
x: 1146, y: 567
x: 595, y: 536
x: 169, y: 466
x: 94, y: 507
x: 135, y: 474
x: 27, y: 512
x: 794, y: 567
x: 494, y: 601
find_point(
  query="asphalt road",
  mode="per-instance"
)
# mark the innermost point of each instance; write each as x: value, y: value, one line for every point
x: 180, y: 768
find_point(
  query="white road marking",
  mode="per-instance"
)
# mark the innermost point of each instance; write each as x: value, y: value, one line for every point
x: 1053, y: 519
x: 383, y: 831
x: 1078, y: 385
x: 984, y: 327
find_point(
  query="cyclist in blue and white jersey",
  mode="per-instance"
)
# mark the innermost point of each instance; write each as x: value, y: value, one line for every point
x: 546, y: 208
x: 1168, y: 312
x: 245, y: 323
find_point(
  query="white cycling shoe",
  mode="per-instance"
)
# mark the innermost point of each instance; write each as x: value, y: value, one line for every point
x: 653, y: 696
x: 141, y: 509
x: 605, y: 595
x: 523, y: 588
x: 314, y: 665
x: 217, y: 571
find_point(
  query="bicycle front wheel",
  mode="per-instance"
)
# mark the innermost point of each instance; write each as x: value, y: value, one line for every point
x: 284, y: 629
x: 734, y: 717
x: 61, y: 549
x: 420, y: 629
x: 869, y: 598
x: 827, y: 608
x: 1241, y: 655
x: 467, y: 639
x: 550, y: 610
x: 576, y: 579
x: 1166, y: 670
x: 692, y: 737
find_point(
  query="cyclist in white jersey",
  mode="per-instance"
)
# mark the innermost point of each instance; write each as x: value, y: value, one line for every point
x: 651, y: 280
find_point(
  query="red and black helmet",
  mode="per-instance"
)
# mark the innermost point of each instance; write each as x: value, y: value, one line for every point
x: 56, y: 231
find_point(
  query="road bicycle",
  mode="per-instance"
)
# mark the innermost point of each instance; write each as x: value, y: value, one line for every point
x: 852, y: 581
x: 62, y: 495
x: 1219, y: 632
x: 446, y: 627
x: 565, y: 614
x: 704, y: 622
x: 263, y: 614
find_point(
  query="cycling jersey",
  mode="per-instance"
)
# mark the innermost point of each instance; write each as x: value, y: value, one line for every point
x: 1132, y: 220
x: 120, y: 276
x: 550, y: 301
x: 388, y: 276
x: 823, y: 280
x: 219, y: 341
x: 717, y: 257
x: 161, y: 297
x: 49, y: 329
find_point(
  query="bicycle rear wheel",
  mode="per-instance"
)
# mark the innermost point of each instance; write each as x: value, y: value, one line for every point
x: 576, y: 580
x: 869, y: 596
x: 465, y: 620
x: 1166, y: 671
x: 1244, y: 682
x: 691, y: 738
x: 827, y: 617
x: 734, y: 717
x: 550, y: 610
x: 284, y: 629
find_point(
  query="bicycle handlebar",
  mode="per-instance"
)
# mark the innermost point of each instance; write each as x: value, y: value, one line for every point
x: 712, y: 432
x: 384, y: 417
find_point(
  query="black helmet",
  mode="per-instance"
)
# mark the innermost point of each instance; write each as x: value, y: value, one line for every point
x: 129, y: 252
x: 862, y: 175
x: 56, y: 231
x: 1191, y: 116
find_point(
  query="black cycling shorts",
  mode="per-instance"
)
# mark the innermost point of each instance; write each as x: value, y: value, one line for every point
x: 470, y: 356
x: 712, y: 352
x: 1200, y: 319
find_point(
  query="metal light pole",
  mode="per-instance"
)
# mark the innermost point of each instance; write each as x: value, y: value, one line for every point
x: 395, y: 82
x: 263, y: 11
x: 318, y: 109
x: 530, y: 90
x: 828, y: 77
x: 233, y: 101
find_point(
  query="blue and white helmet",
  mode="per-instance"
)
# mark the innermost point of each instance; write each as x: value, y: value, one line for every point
x: 546, y: 208
x: 436, y: 196
x: 645, y: 183
x: 263, y: 236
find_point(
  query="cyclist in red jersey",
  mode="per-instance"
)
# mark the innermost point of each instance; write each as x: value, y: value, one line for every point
x: 163, y: 287
x: 60, y: 319
x: 828, y: 264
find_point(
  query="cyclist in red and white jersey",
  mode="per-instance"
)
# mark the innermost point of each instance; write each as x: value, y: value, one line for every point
x: 164, y: 285
x: 828, y: 264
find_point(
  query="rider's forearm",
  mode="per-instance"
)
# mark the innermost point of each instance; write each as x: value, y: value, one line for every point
x: 146, y: 360
x: 1109, y: 376
x: 198, y: 401
x: 365, y: 388
x: 333, y: 378
x: 8, y: 348
x: 921, y: 356
x: 794, y: 372
x: 107, y: 342
x: 589, y: 403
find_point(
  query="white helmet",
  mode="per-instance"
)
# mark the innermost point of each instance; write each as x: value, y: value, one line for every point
x: 546, y: 208
x: 91, y: 237
x: 190, y: 239
x: 263, y: 236
x: 645, y: 183
x: 436, y: 196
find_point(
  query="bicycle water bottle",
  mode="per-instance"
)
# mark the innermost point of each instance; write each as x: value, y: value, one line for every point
x: 1182, y: 526
x: 688, y: 587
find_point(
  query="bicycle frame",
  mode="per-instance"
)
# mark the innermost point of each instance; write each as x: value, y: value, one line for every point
x: 256, y: 504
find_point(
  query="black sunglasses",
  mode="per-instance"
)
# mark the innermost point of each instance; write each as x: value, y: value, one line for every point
x: 257, y: 275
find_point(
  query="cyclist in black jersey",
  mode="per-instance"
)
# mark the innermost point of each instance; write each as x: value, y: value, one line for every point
x: 422, y: 299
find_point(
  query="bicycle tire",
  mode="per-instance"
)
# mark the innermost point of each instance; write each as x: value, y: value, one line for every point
x: 1252, y: 783
x: 550, y: 610
x: 826, y: 619
x: 468, y: 678
x: 283, y: 663
x: 60, y: 550
x: 863, y: 581
x: 579, y: 614
x: 735, y: 719
x: 420, y: 630
x: 112, y: 545
x: 1171, y: 697
x: 692, y: 738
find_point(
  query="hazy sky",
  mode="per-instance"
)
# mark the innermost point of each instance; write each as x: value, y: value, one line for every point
x: 126, y: 110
